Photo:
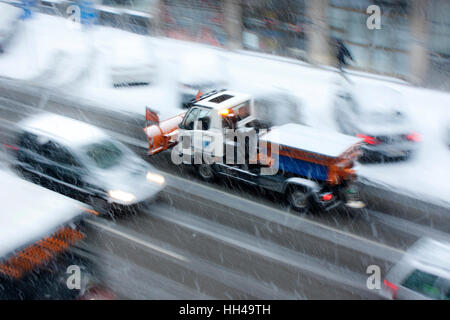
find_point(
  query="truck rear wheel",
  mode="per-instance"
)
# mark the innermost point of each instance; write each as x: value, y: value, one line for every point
x: 298, y: 199
x: 205, y: 172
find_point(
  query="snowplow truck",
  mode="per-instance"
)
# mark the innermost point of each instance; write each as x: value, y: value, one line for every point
x: 220, y: 137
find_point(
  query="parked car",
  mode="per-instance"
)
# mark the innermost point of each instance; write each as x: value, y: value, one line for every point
x: 278, y: 107
x: 80, y: 160
x: 422, y: 273
x: 9, y: 22
x: 378, y: 115
x: 132, y: 63
x: 199, y: 72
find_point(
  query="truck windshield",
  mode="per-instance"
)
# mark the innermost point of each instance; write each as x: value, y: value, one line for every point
x: 104, y: 154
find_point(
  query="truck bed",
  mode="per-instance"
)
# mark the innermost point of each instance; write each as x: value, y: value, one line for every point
x: 309, y: 152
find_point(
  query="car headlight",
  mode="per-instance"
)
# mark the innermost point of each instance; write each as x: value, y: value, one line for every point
x: 156, y: 178
x: 121, y: 195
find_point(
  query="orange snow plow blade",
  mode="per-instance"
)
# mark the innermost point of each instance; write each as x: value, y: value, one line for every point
x: 164, y: 135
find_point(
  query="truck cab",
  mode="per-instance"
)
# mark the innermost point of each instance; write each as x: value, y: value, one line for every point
x: 206, y: 121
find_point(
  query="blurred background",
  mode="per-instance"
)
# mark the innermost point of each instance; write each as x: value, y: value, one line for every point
x: 412, y: 43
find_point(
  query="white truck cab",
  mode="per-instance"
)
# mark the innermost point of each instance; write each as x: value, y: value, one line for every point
x: 207, y: 119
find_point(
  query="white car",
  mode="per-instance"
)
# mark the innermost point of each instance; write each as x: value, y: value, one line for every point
x: 199, y: 71
x: 82, y: 161
x: 378, y: 115
x: 9, y: 21
x: 277, y: 107
x: 423, y: 273
x: 131, y: 63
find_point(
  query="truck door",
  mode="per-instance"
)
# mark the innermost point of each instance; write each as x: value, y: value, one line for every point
x: 208, y: 138
x: 186, y: 132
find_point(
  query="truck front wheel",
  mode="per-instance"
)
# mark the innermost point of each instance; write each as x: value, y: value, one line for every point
x: 298, y: 199
x: 206, y: 172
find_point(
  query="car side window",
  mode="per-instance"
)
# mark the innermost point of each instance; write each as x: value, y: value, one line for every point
x: 423, y: 283
x: 58, y: 154
x: 190, y: 119
x: 29, y: 142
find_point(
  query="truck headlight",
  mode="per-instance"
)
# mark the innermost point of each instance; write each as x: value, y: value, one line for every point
x: 121, y: 195
x: 156, y: 178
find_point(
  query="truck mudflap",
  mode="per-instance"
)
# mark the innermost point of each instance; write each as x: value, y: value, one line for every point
x: 163, y: 135
x: 351, y: 196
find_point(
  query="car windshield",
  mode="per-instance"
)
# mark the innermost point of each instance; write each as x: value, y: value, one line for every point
x: 105, y: 154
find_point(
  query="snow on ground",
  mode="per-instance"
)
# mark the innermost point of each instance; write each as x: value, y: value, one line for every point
x: 47, y: 50
x: 425, y: 175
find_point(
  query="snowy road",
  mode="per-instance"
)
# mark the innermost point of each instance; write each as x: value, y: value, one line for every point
x: 212, y: 241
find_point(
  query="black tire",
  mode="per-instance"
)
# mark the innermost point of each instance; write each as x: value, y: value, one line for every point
x: 206, y: 172
x: 299, y: 199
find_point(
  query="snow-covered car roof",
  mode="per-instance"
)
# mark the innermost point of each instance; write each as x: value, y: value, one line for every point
x: 200, y: 66
x: 376, y: 97
x: 224, y: 99
x: 131, y: 52
x: 431, y: 255
x: 29, y: 212
x: 66, y: 130
x: 328, y: 143
x: 8, y: 14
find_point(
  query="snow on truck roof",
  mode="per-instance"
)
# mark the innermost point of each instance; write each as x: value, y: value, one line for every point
x: 328, y: 143
x: 62, y: 128
x: 224, y: 99
x: 30, y: 212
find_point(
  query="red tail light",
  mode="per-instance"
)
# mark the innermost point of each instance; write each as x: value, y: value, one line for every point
x: 10, y: 147
x: 392, y: 287
x: 368, y: 139
x: 414, y: 136
x: 327, y: 197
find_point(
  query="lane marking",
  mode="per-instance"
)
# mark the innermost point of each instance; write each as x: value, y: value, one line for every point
x: 138, y: 241
x: 302, y: 261
x: 291, y: 216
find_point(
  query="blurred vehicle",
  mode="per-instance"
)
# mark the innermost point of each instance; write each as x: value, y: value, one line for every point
x: 199, y: 72
x: 132, y: 63
x: 378, y: 115
x: 80, y: 160
x: 38, y: 229
x: 422, y: 273
x: 310, y: 167
x: 277, y: 107
x: 9, y: 21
